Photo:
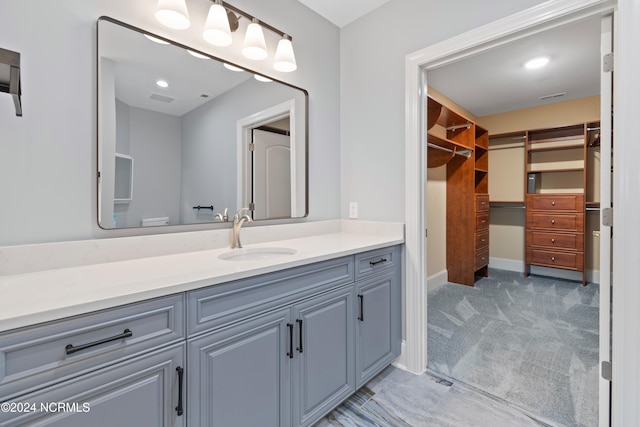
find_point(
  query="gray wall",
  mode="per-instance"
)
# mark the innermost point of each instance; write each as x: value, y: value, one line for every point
x: 48, y: 156
x: 372, y: 66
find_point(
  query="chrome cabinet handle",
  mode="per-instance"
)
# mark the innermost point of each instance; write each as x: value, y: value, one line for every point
x: 70, y: 349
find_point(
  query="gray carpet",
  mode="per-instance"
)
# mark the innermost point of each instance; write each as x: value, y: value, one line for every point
x: 532, y: 341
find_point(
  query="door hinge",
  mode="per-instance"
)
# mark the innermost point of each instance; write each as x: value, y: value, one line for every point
x: 607, y: 62
x: 252, y: 206
x: 607, y: 217
x: 252, y: 146
x: 605, y: 370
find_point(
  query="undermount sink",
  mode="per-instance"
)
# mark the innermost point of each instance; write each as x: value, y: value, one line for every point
x: 256, y: 254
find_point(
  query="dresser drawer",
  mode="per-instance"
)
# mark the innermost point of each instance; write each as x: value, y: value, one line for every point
x: 372, y: 262
x: 555, y: 259
x: 482, y: 258
x: 556, y: 202
x: 569, y: 241
x: 482, y: 202
x: 226, y: 303
x: 482, y: 222
x: 40, y: 355
x: 556, y: 221
x: 482, y: 240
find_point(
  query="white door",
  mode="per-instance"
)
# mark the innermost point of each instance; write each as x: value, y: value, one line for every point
x: 271, y: 175
x: 606, y: 143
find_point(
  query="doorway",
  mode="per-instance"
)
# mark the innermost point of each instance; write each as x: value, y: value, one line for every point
x: 551, y: 14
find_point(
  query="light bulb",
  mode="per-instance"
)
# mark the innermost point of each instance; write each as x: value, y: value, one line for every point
x: 254, y: 46
x: 216, y: 29
x: 285, y: 59
x: 173, y: 14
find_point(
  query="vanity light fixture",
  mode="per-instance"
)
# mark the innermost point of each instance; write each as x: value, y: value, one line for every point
x: 536, y: 63
x: 221, y: 21
x: 173, y: 14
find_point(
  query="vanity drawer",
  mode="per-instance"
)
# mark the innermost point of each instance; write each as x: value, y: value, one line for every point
x: 556, y: 259
x: 556, y: 221
x: 226, y: 303
x: 556, y: 202
x: 570, y: 241
x: 482, y: 222
x: 368, y: 263
x: 40, y: 355
x: 482, y: 202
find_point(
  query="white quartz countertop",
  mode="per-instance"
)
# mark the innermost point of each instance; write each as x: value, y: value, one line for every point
x: 41, y: 296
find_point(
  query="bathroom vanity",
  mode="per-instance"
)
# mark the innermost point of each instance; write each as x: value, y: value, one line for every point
x: 265, y: 337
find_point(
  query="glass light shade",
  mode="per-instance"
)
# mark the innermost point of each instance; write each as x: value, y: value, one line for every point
x: 285, y: 59
x: 216, y: 29
x: 173, y: 14
x: 232, y: 67
x: 155, y: 39
x: 197, y: 55
x: 263, y: 79
x: 254, y: 46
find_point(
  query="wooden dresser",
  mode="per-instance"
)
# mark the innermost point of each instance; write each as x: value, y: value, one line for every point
x: 555, y: 231
x: 482, y: 234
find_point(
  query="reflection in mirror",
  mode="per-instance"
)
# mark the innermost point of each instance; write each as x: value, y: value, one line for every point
x: 204, y: 137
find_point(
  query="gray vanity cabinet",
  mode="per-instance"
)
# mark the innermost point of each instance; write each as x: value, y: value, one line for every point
x: 324, y: 364
x: 286, y: 367
x: 144, y: 392
x: 378, y: 325
x: 240, y: 375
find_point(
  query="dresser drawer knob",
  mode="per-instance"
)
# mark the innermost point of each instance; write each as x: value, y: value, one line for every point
x: 553, y: 240
x: 553, y: 258
x: 553, y: 221
x: 553, y: 203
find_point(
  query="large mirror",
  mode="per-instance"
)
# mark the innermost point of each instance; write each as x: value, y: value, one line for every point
x: 183, y: 136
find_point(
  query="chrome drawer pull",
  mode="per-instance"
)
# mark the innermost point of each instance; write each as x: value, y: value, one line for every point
x: 70, y: 349
x: 553, y: 240
x: 553, y: 221
x: 553, y: 203
x: 553, y: 258
x: 372, y: 263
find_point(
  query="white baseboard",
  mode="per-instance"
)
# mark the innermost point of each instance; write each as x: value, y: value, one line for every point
x: 401, y: 361
x: 593, y: 276
x: 437, y: 280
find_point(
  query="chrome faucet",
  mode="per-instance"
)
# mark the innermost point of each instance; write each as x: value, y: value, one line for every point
x: 238, y: 220
x: 223, y: 217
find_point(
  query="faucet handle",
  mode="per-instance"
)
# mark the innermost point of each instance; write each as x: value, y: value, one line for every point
x: 238, y: 214
x: 223, y: 217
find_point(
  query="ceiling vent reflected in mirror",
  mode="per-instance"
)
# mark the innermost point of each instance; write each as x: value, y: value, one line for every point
x: 161, y: 98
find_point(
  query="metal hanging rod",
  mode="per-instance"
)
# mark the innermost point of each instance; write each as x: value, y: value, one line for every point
x: 456, y: 127
x: 589, y: 129
x: 465, y: 153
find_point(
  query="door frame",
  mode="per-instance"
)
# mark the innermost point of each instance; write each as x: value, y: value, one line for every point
x: 626, y: 370
x: 243, y: 135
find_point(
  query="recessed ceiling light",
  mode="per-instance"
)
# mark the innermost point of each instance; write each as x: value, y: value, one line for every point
x: 162, y: 83
x: 260, y: 78
x: 536, y: 63
x: 232, y: 67
x: 197, y: 55
x: 155, y: 39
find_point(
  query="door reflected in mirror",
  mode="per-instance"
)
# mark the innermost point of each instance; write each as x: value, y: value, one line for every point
x: 204, y: 138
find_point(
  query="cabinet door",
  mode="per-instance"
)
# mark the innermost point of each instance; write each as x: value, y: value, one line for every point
x: 378, y: 325
x: 239, y: 376
x: 142, y: 392
x: 324, y: 352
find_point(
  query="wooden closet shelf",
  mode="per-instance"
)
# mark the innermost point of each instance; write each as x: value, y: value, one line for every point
x: 446, y: 143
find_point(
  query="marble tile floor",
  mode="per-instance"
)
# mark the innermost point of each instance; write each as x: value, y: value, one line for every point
x: 396, y: 398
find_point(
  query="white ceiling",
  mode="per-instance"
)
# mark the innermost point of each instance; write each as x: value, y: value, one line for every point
x: 342, y: 12
x: 496, y: 81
